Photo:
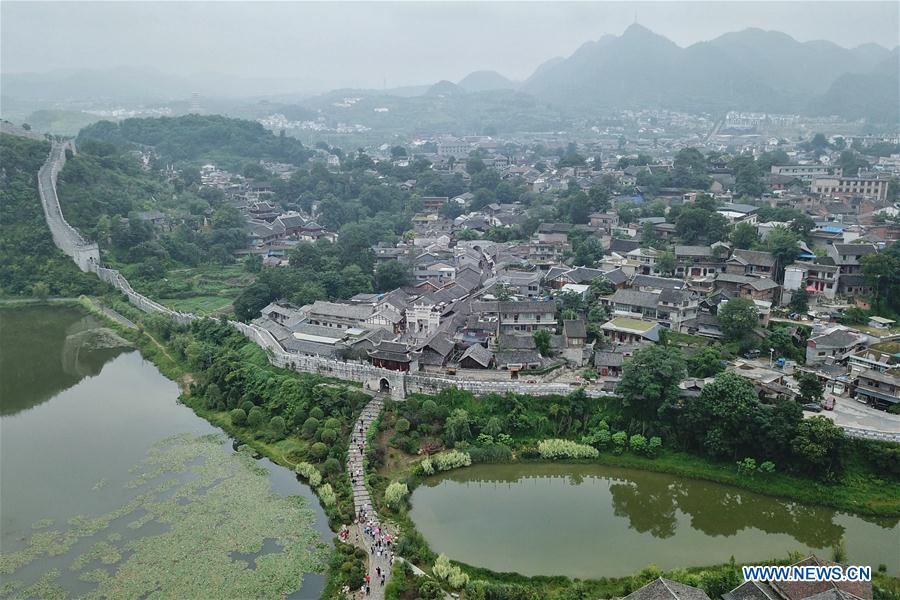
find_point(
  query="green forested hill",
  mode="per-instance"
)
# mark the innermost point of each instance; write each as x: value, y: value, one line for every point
x: 145, y: 224
x: 195, y: 139
x: 27, y: 254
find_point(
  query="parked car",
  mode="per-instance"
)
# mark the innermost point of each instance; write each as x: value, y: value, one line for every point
x: 751, y: 354
x: 812, y: 407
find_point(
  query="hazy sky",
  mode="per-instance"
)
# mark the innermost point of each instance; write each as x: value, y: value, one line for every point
x: 366, y: 44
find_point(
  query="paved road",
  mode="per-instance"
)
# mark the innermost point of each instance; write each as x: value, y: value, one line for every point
x: 852, y: 414
x: 366, y: 515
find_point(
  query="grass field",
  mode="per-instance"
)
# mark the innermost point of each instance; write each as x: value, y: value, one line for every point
x: 205, y: 290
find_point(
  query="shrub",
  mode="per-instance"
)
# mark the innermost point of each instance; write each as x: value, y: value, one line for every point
x: 402, y: 425
x: 238, y: 417
x: 329, y: 436
x: 654, y: 446
x: 395, y: 493
x: 317, y: 413
x: 247, y: 406
x: 318, y: 450
x: 278, y: 426
x: 746, y: 466
x: 452, y: 459
x: 638, y: 444
x: 555, y: 448
x: 310, y: 426
x: 255, y: 417
x: 426, y: 468
x: 452, y: 574
x: 332, y: 423
x: 495, y: 453
x: 331, y: 467
x: 326, y: 494
x: 619, y: 439
x: 309, y: 472
x: 767, y: 467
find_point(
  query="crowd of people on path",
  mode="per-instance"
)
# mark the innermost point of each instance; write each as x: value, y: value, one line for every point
x: 369, y: 533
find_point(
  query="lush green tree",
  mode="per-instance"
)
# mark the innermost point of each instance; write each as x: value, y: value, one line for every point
x: 744, y: 236
x: 649, y: 382
x: 588, y: 251
x: 747, y: 177
x: 278, y: 426
x: 665, y: 263
x: 253, y: 299
x: 256, y: 417
x: 782, y: 243
x: 851, y: 163
x: 882, y: 271
x: 253, y: 263
x: 238, y: 417
x: 811, y: 388
x: 706, y: 362
x: 542, y: 341
x: 318, y: 451
x: 799, y: 301
x: 818, y: 444
x: 720, y: 421
x: 695, y: 224
x: 310, y: 427
x: 738, y: 318
x: 390, y: 275
x: 458, y: 426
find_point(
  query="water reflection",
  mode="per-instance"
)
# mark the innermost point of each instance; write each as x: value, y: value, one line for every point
x: 46, y: 350
x: 590, y: 520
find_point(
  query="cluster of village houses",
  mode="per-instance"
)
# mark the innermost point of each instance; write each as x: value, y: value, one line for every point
x: 472, y: 306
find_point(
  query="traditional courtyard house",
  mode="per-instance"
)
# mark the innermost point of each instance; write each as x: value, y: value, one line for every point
x: 880, y: 389
x: 434, y: 203
x: 337, y: 315
x: 517, y: 360
x: 476, y: 356
x: 847, y: 256
x: 666, y: 589
x: 623, y: 330
x: 835, y: 344
x: 751, y: 262
x: 527, y: 316
x: 738, y: 213
x: 436, y: 351
x: 812, y: 277
x: 395, y: 356
x: 604, y: 221
x: 697, y: 261
x: 756, y: 288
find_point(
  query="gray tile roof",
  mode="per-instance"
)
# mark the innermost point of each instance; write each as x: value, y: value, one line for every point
x: 634, y: 298
x: 666, y: 589
x: 755, y: 257
x: 479, y: 354
x: 574, y: 329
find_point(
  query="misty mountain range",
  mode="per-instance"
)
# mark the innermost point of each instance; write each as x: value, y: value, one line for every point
x: 752, y: 70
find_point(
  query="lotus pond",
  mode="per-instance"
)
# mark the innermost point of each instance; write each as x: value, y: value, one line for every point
x: 110, y: 488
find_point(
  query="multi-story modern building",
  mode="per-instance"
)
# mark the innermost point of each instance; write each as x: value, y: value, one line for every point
x: 872, y: 186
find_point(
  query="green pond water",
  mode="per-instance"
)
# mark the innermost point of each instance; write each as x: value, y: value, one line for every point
x: 110, y: 487
x: 589, y: 521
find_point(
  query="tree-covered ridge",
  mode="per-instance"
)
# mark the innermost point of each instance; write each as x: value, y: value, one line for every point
x: 29, y: 262
x: 108, y: 196
x: 195, y: 139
